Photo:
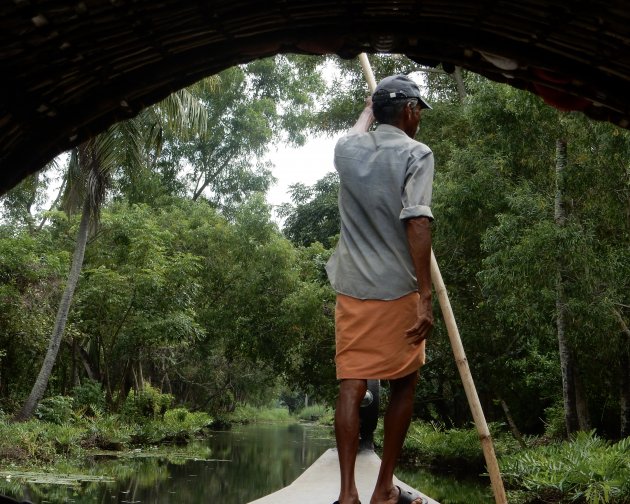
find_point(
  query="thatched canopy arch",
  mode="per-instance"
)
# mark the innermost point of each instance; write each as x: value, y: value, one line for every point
x: 70, y: 69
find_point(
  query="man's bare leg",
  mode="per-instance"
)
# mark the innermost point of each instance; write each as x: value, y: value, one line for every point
x: 397, y: 419
x: 351, y: 393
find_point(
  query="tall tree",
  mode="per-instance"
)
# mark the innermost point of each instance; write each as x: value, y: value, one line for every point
x: 92, y: 156
x: 91, y: 167
x: 253, y: 107
x: 31, y: 268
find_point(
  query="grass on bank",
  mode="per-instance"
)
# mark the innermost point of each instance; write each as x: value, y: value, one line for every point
x: 38, y: 442
x: 586, y: 469
x: 61, y: 431
x: 69, y: 427
x: 245, y: 413
x: 434, y: 446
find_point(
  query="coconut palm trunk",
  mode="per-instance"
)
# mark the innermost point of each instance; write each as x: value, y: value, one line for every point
x: 41, y: 383
x: 89, y: 176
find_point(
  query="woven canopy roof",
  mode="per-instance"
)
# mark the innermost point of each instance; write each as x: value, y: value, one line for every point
x: 69, y: 69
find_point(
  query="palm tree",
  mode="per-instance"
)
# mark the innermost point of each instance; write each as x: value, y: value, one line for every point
x: 90, y: 172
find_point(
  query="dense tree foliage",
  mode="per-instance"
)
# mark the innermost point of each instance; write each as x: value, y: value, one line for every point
x: 312, y: 216
x: 180, y: 305
x: 188, y: 283
x: 501, y: 251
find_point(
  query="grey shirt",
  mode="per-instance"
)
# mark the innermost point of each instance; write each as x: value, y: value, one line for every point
x: 386, y: 177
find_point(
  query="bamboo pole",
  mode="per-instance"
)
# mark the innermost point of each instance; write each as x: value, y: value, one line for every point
x: 367, y: 71
x: 458, y: 351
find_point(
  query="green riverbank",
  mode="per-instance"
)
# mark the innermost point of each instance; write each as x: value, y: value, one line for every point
x: 588, y: 469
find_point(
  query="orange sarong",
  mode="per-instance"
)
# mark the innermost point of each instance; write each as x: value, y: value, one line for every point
x: 370, y: 338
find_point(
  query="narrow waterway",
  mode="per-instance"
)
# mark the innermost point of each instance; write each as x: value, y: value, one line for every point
x: 232, y: 467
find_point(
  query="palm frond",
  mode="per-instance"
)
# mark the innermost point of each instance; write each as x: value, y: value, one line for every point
x: 183, y: 113
x: 131, y: 142
x: 210, y: 84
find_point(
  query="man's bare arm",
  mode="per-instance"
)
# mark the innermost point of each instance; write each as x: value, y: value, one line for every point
x: 365, y: 120
x: 419, y: 239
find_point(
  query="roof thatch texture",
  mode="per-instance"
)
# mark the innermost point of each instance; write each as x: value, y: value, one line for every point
x: 70, y: 69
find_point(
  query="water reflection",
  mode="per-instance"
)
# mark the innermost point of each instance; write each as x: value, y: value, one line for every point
x: 240, y: 466
x: 448, y: 488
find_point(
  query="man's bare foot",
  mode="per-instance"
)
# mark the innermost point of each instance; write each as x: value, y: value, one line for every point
x: 354, y: 499
x: 397, y: 495
x: 391, y: 497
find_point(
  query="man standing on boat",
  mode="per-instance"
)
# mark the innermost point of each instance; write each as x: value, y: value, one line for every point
x: 381, y: 272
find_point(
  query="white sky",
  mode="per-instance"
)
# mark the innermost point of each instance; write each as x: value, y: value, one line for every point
x: 305, y: 164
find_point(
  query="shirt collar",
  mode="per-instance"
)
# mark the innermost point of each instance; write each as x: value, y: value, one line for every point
x: 391, y: 129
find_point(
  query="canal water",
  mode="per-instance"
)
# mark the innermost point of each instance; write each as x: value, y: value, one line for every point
x: 232, y: 467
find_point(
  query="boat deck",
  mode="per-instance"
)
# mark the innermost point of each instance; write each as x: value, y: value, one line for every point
x: 319, y: 484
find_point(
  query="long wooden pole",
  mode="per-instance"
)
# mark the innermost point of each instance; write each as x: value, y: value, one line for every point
x: 367, y: 71
x: 458, y: 351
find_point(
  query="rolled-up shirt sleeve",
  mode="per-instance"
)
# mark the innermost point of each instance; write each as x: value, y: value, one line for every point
x: 418, y: 189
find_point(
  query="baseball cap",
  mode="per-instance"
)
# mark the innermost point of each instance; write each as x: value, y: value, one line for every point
x: 398, y: 87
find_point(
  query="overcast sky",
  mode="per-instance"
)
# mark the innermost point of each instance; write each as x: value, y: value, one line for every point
x: 305, y: 164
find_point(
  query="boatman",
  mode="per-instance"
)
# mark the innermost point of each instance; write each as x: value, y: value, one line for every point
x: 381, y: 273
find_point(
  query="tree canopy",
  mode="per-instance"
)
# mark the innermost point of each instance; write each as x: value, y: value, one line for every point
x: 188, y: 282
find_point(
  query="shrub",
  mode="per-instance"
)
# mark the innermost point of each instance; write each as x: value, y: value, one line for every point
x: 55, y: 409
x: 146, y: 404
x: 108, y: 433
x: 178, y: 426
x: 327, y: 418
x: 587, y: 469
x: 555, y: 427
x: 180, y: 420
x: 65, y: 438
x: 34, y: 441
x: 176, y: 415
x: 434, y: 445
x: 89, y: 397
